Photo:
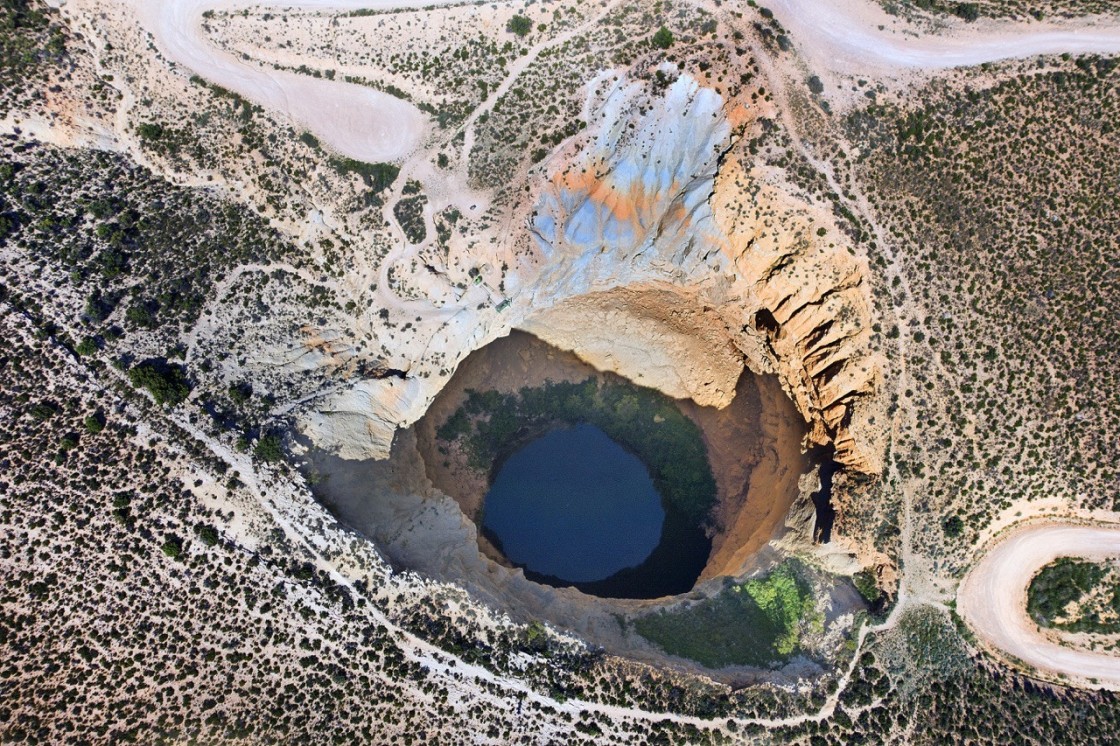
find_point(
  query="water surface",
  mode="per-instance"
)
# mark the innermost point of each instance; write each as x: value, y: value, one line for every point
x: 575, y: 506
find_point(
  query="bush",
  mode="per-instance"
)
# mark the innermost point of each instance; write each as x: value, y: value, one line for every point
x: 968, y: 11
x: 952, y: 526
x: 94, y: 423
x: 173, y: 547
x: 662, y: 38
x: 166, y: 383
x: 269, y: 449
x: 43, y: 411
x: 87, y: 347
x: 864, y: 581
x: 519, y: 25
x: 376, y: 176
x: 150, y: 132
x: 208, y: 535
x: 240, y: 393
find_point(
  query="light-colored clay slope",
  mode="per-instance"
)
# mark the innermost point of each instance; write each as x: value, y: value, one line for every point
x: 992, y: 598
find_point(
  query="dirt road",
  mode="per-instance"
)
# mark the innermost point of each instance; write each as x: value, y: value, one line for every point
x: 992, y: 597
x: 852, y: 36
x: 859, y: 37
x: 354, y: 120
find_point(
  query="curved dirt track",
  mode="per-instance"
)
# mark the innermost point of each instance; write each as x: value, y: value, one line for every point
x: 354, y: 120
x: 854, y: 36
x: 992, y: 598
x: 362, y: 123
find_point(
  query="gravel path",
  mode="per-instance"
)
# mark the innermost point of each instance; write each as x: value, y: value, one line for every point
x: 857, y: 36
x: 356, y: 121
x: 992, y: 598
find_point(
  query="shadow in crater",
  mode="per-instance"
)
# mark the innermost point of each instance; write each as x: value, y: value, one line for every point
x: 827, y: 466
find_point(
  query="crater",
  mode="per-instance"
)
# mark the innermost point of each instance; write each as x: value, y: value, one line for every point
x: 649, y: 452
x: 451, y: 488
x: 654, y: 260
x: 574, y: 507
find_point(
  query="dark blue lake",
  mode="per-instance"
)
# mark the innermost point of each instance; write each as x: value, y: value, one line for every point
x: 574, y: 506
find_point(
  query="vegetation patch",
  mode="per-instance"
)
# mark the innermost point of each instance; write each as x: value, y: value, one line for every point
x: 376, y: 176
x: 166, y: 383
x: 753, y: 624
x: 31, y: 42
x: 409, y: 212
x: 1076, y: 596
x: 648, y: 423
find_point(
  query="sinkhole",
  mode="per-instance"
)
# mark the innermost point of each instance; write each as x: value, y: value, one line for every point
x: 582, y: 478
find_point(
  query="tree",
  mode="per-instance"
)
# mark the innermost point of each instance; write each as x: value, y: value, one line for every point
x: 207, y: 534
x: 662, y: 38
x: 519, y: 25
x: 94, y: 423
x: 173, y: 547
x: 87, y: 347
x: 166, y: 383
x: 968, y: 11
x: 952, y: 526
x: 269, y: 449
x: 149, y: 131
x: 240, y: 393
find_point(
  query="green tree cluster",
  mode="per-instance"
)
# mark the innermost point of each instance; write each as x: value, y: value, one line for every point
x: 519, y: 25
x: 662, y: 38
x: 167, y: 383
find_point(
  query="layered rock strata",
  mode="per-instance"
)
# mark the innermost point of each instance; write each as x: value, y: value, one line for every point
x: 654, y: 248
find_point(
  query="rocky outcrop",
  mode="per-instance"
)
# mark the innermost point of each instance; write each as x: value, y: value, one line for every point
x: 709, y: 265
x: 809, y: 305
x: 655, y: 249
x: 657, y: 335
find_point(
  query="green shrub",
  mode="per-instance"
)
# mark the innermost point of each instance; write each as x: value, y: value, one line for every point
x: 269, y: 449
x: 43, y: 411
x: 173, y: 547
x: 519, y: 25
x: 94, y: 423
x: 952, y: 526
x: 150, y: 132
x: 662, y: 38
x: 376, y: 176
x: 864, y: 581
x: 165, y: 382
x: 968, y: 11
x: 87, y: 347
x: 208, y: 535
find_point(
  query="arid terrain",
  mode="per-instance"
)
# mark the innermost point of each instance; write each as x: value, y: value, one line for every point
x: 274, y: 278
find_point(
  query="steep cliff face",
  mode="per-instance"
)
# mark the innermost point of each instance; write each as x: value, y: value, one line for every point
x: 808, y: 303
x: 653, y: 248
x: 699, y: 266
